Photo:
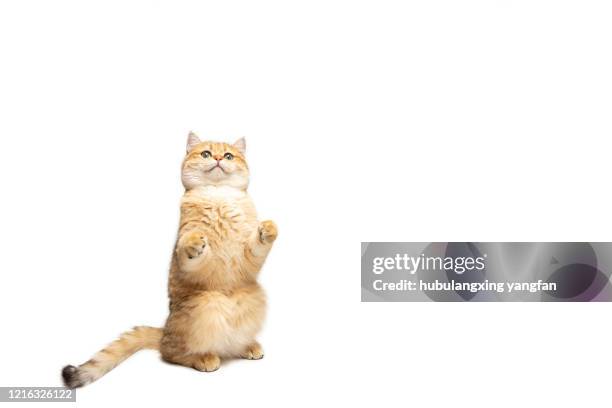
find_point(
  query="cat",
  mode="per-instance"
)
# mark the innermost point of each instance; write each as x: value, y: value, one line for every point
x: 216, y: 305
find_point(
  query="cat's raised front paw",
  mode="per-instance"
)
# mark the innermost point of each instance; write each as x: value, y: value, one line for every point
x: 193, y: 244
x: 267, y: 232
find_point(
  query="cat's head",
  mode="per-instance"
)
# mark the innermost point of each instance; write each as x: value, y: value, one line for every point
x: 215, y: 164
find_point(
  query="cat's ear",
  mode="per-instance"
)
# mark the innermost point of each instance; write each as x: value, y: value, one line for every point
x: 192, y: 141
x: 240, y: 144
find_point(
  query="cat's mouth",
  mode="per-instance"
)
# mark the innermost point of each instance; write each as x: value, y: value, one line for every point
x: 217, y: 166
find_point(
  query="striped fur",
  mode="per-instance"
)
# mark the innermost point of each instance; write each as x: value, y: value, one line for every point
x: 140, y: 337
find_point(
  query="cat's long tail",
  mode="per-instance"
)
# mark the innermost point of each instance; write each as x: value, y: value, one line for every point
x: 140, y: 337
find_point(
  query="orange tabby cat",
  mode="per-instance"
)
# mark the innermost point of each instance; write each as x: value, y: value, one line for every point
x: 216, y: 305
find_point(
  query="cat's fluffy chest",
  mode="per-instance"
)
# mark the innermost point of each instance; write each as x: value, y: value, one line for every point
x: 229, y: 212
x: 221, y: 194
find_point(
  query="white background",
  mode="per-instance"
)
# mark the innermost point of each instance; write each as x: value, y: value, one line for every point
x: 365, y: 120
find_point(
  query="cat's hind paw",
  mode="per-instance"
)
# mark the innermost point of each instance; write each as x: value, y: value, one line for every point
x: 253, y: 352
x: 207, y: 362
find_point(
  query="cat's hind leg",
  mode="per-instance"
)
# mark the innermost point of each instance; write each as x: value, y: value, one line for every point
x: 175, y: 349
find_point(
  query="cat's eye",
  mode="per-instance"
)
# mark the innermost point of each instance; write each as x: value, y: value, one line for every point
x: 206, y: 154
x: 228, y: 156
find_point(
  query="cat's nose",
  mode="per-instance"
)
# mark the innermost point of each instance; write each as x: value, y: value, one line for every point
x: 217, y: 157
